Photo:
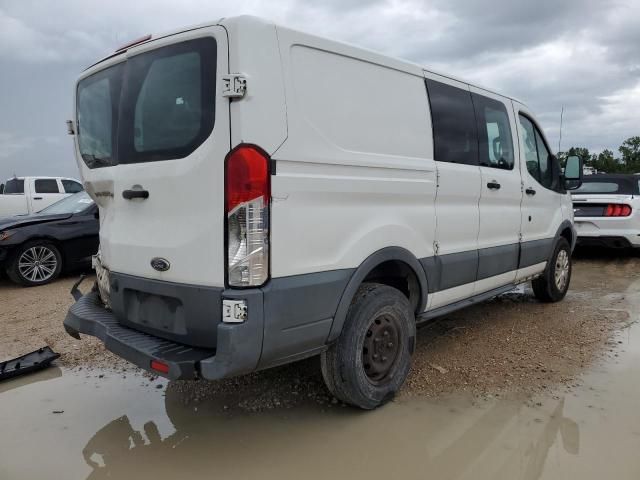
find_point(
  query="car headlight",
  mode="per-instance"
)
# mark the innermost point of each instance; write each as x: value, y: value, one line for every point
x: 6, y: 235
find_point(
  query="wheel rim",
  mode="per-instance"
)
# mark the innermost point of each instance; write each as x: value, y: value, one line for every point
x: 38, y: 264
x: 381, y: 348
x: 562, y: 269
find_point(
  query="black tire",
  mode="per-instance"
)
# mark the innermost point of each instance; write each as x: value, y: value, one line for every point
x: 545, y: 287
x: 17, y: 273
x: 350, y: 372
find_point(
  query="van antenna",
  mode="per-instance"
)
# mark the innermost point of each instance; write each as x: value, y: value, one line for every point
x: 560, y: 138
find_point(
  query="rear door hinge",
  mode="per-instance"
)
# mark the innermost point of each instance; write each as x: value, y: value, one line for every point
x: 520, y: 237
x: 234, y: 85
x: 436, y: 247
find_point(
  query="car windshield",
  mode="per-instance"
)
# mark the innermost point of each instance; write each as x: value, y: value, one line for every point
x: 75, y: 203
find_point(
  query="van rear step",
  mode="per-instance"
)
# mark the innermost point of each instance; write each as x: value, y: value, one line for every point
x: 30, y: 362
x: 88, y: 316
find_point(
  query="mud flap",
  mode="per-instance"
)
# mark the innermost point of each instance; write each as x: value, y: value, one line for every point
x: 30, y: 362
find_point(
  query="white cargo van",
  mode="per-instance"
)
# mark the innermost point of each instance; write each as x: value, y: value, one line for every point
x: 267, y: 195
x: 24, y: 195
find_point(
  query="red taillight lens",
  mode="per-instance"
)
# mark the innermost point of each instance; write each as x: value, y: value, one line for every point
x: 247, y: 176
x: 160, y: 367
x: 248, y: 203
x: 617, y: 210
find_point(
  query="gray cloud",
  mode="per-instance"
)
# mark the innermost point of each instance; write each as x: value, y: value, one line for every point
x: 580, y: 54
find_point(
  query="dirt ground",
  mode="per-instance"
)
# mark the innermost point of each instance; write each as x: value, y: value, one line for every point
x: 510, y: 344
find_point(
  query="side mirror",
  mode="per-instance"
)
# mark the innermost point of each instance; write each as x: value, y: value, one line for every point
x: 573, y: 172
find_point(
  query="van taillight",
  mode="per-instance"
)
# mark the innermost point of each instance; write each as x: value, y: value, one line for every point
x: 247, y: 201
x: 617, y: 210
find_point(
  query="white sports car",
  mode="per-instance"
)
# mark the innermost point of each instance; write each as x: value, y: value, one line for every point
x: 607, y: 211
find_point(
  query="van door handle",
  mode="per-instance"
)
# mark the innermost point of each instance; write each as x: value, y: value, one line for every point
x: 131, y: 194
x: 530, y: 191
x: 493, y: 185
x: 37, y: 198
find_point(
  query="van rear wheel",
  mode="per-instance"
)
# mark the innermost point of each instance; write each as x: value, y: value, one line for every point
x: 371, y: 359
x: 552, y: 286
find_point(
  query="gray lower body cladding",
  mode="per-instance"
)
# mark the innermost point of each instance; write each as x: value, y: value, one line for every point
x: 288, y: 319
x: 182, y: 326
x: 455, y: 269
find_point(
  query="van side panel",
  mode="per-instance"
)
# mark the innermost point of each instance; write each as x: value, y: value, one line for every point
x: 260, y: 117
x: 457, y: 212
x: 356, y: 173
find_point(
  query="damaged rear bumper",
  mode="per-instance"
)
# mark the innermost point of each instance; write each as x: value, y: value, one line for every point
x: 238, y: 345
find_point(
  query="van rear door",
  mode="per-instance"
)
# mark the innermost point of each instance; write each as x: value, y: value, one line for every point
x: 152, y: 135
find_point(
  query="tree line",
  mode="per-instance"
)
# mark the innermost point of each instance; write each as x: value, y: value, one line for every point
x: 628, y: 161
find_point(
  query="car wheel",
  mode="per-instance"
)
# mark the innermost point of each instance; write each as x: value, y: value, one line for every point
x: 35, y: 263
x: 552, y: 286
x: 371, y: 359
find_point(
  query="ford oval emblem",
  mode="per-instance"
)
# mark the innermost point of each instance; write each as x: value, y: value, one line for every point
x: 160, y: 264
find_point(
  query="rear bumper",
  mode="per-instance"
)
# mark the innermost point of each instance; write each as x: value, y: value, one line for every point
x: 238, y: 348
x: 288, y: 319
x: 607, y: 242
x: 611, y: 232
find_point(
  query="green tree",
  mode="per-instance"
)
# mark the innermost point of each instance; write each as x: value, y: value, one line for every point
x: 605, y: 162
x: 630, y: 150
x: 582, y: 152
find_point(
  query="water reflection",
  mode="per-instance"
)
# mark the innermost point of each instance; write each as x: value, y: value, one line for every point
x: 447, y: 440
x: 28, y: 379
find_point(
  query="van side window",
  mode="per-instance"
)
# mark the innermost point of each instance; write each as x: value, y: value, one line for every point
x: 494, y: 133
x: 71, y: 187
x: 536, y: 153
x: 46, y: 186
x: 455, y: 134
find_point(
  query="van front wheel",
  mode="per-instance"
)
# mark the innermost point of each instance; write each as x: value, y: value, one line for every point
x: 552, y: 286
x: 371, y: 359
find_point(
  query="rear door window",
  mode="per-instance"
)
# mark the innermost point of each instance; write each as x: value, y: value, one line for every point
x: 454, y: 124
x: 168, y: 109
x: 48, y: 185
x: 98, y: 103
x: 158, y: 105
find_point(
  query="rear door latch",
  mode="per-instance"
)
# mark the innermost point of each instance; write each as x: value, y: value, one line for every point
x: 234, y: 311
x: 234, y: 85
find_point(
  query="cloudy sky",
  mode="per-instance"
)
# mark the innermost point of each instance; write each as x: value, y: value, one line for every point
x: 580, y: 54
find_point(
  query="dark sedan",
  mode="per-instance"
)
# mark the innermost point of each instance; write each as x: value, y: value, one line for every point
x: 35, y: 249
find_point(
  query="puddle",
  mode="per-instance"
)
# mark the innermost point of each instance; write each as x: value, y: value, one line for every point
x: 126, y: 428
x: 116, y: 427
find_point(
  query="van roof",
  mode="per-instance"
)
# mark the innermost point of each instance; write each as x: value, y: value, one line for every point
x: 247, y: 20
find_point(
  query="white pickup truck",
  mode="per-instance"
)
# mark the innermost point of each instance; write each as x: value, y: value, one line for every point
x: 22, y: 195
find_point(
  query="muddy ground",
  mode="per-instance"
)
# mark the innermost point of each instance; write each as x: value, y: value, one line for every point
x: 510, y: 344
